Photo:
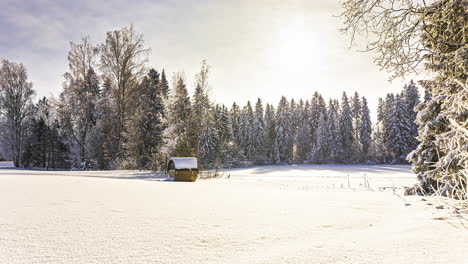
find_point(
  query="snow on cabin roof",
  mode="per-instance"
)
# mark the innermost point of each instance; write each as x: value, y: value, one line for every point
x: 185, y: 163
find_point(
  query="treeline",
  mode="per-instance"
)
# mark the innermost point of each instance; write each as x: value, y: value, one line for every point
x: 116, y: 112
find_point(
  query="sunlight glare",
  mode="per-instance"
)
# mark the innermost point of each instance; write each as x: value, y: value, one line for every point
x: 297, y: 56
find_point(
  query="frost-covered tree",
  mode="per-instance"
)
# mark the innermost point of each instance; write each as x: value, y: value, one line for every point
x: 317, y: 108
x: 246, y: 131
x: 390, y: 129
x: 321, y: 151
x: 270, y: 133
x: 123, y: 59
x: 395, y: 129
x: 380, y: 110
x: 37, y: 147
x: 208, y: 137
x: 44, y: 145
x: 356, y: 112
x: 284, y: 141
x: 378, y: 141
x: 404, y: 127
x: 164, y: 85
x: 202, y: 130
x: 77, y: 109
x: 293, y: 109
x: 392, y: 134
x: 156, y: 92
x: 302, y: 139
x: 146, y: 125
x: 433, y: 35
x: 235, y: 120
x: 346, y: 129
x: 259, y: 133
x: 410, y: 97
x: 222, y: 152
x: 365, y: 130
x: 333, y: 132
x: 16, y: 107
x: 104, y: 137
x: 235, y: 114
x: 303, y: 143
x: 177, y: 121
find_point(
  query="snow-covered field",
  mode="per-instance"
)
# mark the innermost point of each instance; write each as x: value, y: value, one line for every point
x: 270, y: 214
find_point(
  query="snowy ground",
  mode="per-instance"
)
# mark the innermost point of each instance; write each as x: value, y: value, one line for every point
x: 271, y: 214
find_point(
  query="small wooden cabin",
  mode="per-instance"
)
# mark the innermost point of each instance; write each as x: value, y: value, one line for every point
x: 183, y: 169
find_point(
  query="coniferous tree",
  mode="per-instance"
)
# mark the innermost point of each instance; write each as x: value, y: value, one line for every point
x: 222, y: 152
x: 235, y: 120
x: 202, y: 131
x: 378, y: 136
x: 270, y: 133
x: 164, y: 85
x: 395, y: 128
x: 157, y: 93
x: 317, y: 107
x: 208, y: 138
x: 356, y: 111
x: 246, y: 126
x: 235, y: 115
x: 365, y: 130
x: 44, y: 146
x: 303, y: 142
x: 293, y: 112
x: 145, y: 131
x: 333, y: 132
x: 176, y: 136
x: 346, y: 129
x: 403, y: 129
x: 302, y: 138
x: 410, y: 99
x: 137, y: 129
x: 283, y: 141
x: 380, y: 110
x: 390, y: 128
x: 259, y: 133
x: 321, y: 151
x: 37, y: 146
x: 104, y: 138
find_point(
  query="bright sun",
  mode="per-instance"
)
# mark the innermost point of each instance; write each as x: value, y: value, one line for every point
x: 296, y: 55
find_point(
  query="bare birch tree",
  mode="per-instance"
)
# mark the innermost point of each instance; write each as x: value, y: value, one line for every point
x: 78, y: 99
x: 123, y: 59
x: 15, y: 106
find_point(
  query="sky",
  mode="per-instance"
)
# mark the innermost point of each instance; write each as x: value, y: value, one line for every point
x: 255, y: 48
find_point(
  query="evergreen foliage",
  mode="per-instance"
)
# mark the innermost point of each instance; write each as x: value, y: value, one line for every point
x: 432, y: 37
x: 104, y: 120
x: 283, y: 147
x: 346, y: 130
x: 365, y: 131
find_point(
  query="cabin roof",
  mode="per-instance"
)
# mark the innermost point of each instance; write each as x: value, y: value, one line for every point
x: 184, y: 163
